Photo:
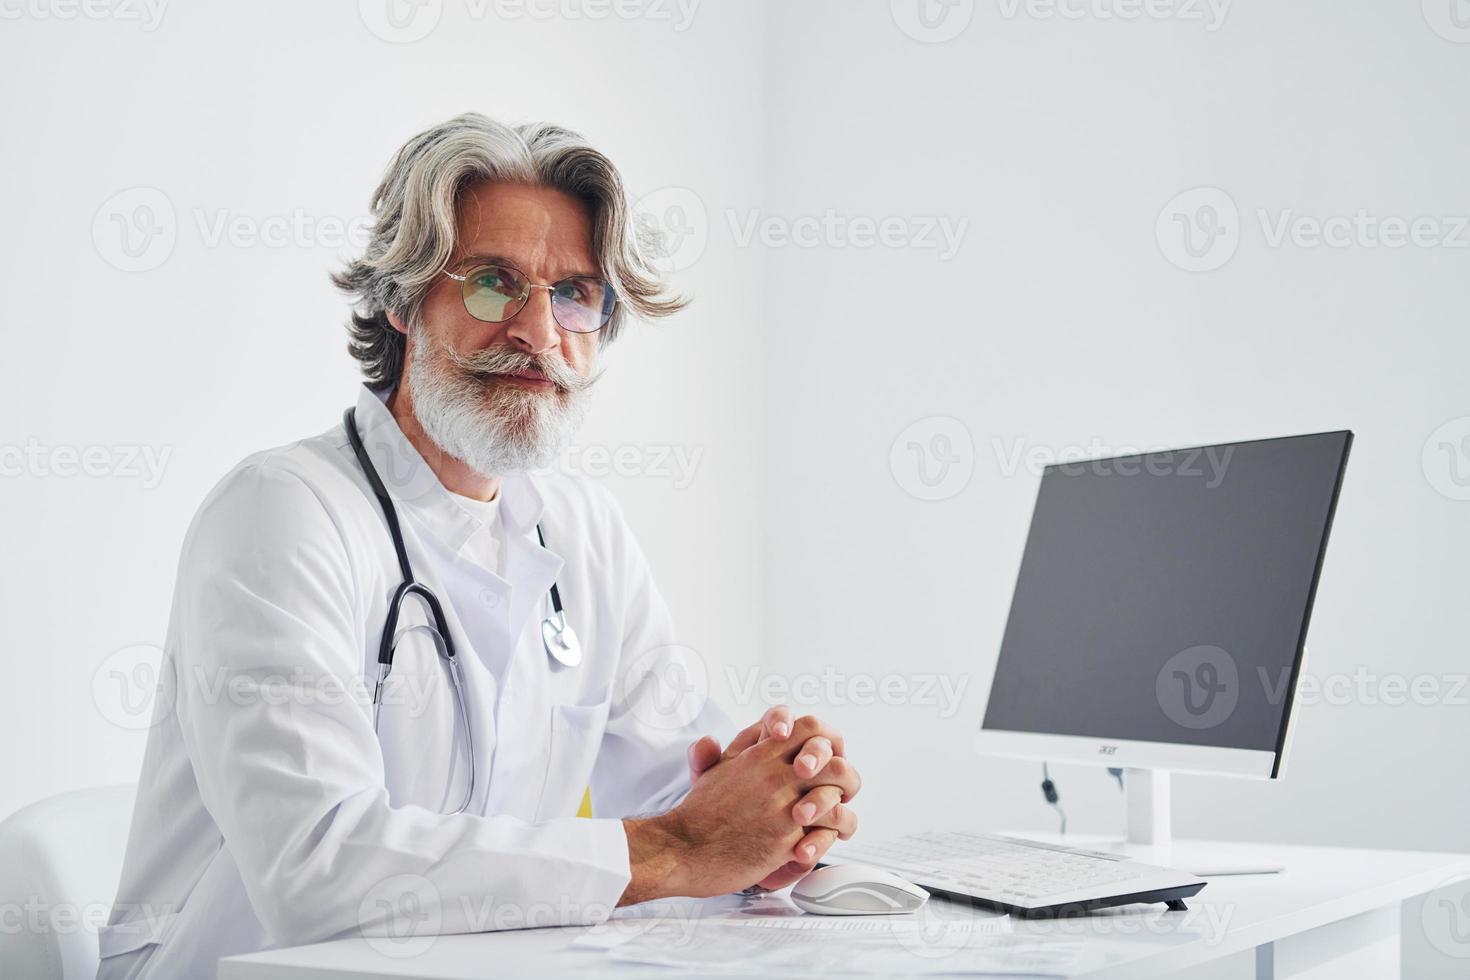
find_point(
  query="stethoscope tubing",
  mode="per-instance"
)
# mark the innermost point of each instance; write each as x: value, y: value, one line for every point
x: 444, y: 640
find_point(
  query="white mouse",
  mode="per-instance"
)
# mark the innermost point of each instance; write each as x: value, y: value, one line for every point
x: 856, y: 889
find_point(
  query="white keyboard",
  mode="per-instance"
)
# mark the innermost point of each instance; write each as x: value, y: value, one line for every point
x: 1020, y: 875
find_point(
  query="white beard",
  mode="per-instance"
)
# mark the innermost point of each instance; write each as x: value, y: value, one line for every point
x: 494, y: 428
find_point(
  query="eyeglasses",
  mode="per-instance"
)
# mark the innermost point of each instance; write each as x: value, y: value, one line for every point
x: 496, y: 291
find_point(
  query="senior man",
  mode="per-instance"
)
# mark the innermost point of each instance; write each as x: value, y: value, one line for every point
x: 401, y: 651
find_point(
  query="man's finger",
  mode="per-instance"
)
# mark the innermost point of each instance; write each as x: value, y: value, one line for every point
x: 811, y: 808
x: 776, y: 722
x: 838, y: 772
x: 815, y: 754
x: 748, y: 736
x: 808, y: 727
x: 840, y: 819
x: 809, y: 849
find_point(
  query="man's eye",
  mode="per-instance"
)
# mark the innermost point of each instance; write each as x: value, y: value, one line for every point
x: 580, y: 291
x: 489, y: 280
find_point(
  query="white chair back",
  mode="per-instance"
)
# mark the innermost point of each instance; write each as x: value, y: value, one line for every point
x: 60, y: 860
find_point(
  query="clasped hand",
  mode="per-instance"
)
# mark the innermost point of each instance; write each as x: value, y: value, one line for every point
x: 802, y: 767
x: 761, y: 811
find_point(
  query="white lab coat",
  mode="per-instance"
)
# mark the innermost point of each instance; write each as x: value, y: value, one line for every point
x: 269, y: 813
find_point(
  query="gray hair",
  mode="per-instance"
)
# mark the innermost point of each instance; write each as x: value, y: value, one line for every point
x: 414, y: 226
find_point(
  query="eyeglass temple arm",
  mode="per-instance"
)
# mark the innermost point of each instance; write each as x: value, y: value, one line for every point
x: 532, y: 285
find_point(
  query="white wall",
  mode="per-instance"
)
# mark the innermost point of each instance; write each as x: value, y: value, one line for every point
x: 1061, y: 321
x: 221, y: 349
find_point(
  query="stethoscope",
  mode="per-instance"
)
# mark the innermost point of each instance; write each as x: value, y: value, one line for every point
x: 559, y: 638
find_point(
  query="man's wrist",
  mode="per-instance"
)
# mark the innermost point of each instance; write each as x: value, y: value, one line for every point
x: 656, y: 858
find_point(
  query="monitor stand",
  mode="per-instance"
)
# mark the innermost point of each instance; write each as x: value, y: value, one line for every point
x: 1151, y: 841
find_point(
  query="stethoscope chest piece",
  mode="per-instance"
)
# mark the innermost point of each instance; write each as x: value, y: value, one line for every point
x: 561, y: 640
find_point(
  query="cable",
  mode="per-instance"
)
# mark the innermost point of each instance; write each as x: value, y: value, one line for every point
x: 1049, y: 790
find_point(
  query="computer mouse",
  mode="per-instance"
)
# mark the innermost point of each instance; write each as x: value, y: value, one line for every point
x: 856, y: 889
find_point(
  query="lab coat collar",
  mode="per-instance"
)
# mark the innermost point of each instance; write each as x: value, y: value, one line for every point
x: 523, y: 505
x: 528, y: 569
x: 410, y: 481
x: 415, y: 488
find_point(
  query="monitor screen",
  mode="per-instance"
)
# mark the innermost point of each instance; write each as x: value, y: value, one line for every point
x: 1164, y: 597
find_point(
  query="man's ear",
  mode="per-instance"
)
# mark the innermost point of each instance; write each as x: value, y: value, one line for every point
x: 396, y: 322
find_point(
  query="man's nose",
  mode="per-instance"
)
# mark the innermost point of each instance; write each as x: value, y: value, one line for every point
x: 534, y: 329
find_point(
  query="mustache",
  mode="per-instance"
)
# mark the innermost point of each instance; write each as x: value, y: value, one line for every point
x: 501, y: 359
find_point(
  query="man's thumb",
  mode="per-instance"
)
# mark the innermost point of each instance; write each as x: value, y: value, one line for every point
x: 702, y: 755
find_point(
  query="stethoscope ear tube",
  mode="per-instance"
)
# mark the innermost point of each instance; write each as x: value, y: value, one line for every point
x: 559, y: 638
x: 443, y: 640
x: 390, y: 513
x: 555, y: 592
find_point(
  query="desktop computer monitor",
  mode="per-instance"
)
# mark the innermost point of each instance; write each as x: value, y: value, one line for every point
x: 1160, y: 613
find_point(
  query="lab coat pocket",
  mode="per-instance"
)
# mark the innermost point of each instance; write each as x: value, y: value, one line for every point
x: 425, y: 756
x: 576, y: 736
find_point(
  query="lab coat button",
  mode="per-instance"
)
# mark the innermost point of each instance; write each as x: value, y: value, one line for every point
x: 489, y: 598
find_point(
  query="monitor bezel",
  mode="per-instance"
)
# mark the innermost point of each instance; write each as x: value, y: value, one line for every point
x: 1214, y: 760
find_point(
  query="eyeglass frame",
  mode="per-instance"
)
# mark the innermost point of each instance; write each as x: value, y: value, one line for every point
x: 486, y: 262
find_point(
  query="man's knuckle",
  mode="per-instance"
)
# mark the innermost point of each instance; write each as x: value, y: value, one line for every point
x: 766, y: 749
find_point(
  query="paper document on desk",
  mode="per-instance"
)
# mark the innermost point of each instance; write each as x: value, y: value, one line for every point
x: 775, y: 910
x: 905, y: 945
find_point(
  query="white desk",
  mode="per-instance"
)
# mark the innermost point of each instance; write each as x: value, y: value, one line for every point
x: 1335, y: 912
